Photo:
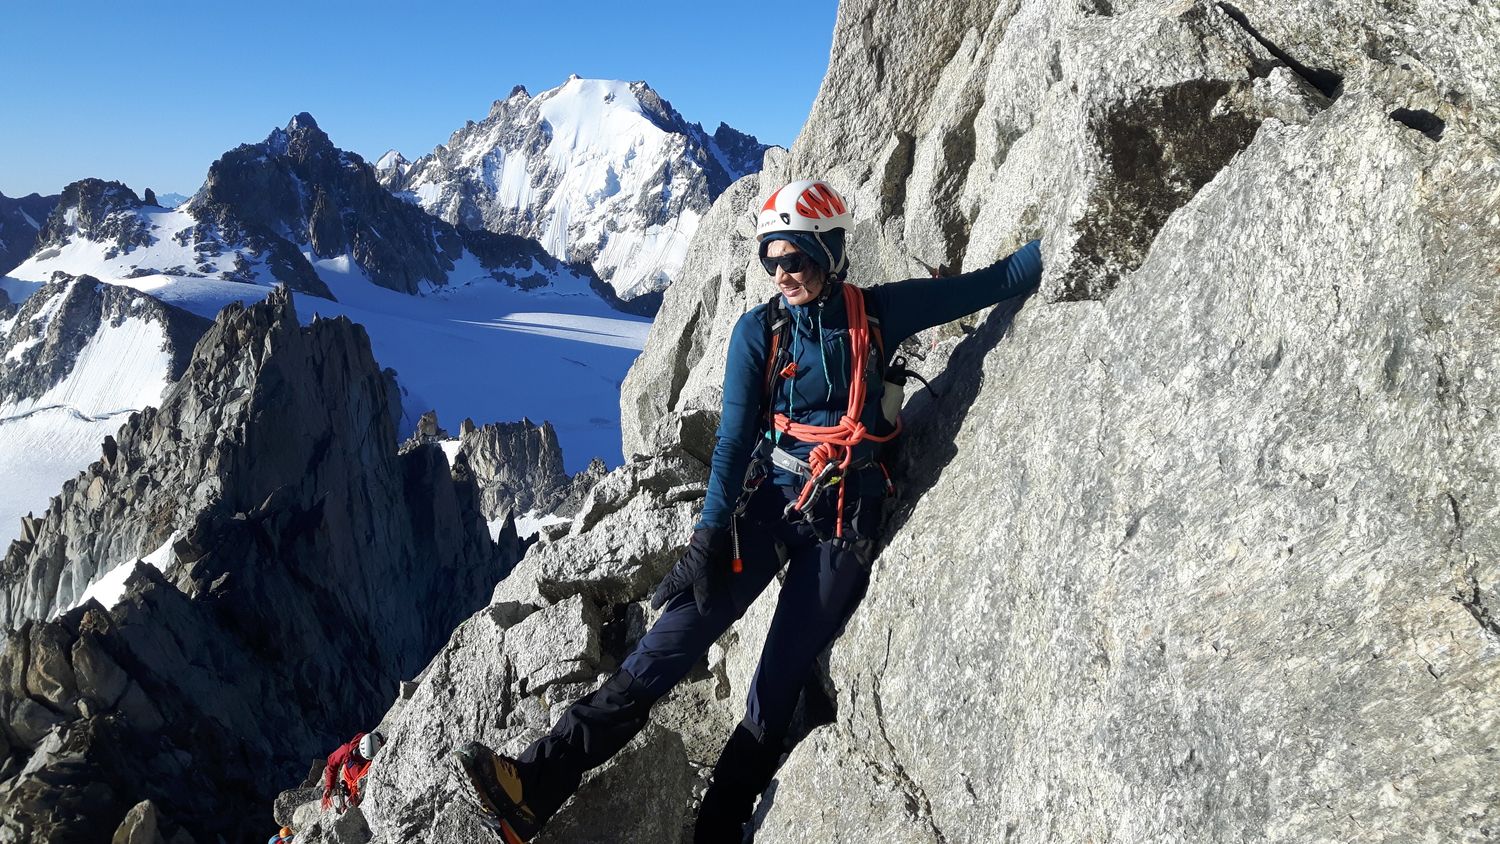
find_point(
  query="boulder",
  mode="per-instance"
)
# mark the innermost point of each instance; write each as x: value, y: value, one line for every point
x: 139, y: 826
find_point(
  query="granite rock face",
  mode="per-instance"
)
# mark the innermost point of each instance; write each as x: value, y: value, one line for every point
x: 1191, y: 544
x: 302, y: 568
x: 1200, y: 521
x: 555, y: 628
x: 519, y: 468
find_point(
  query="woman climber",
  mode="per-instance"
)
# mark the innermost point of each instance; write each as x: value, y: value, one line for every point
x: 795, y: 466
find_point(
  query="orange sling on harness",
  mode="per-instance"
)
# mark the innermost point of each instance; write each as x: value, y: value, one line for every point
x: 836, y: 443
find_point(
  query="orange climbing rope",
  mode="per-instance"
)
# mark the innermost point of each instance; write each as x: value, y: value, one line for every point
x: 836, y: 443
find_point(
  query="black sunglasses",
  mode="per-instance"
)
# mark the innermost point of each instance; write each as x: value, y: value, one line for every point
x: 792, y: 262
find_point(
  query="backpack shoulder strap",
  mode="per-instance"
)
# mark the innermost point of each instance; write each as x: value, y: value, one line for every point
x: 872, y: 318
x: 777, y: 323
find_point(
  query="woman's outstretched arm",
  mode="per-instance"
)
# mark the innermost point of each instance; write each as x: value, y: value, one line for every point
x: 907, y: 307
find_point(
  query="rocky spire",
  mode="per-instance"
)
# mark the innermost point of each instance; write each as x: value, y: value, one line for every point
x: 281, y: 528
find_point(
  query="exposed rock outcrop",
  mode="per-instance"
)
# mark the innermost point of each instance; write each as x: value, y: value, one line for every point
x: 303, y: 568
x: 1192, y: 547
x: 519, y: 468
x: 97, y: 210
x: 554, y: 629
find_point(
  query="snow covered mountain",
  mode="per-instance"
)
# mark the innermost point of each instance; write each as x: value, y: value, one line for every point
x: 20, y: 220
x: 498, y: 329
x: 601, y: 172
x: 270, y: 212
x: 76, y: 359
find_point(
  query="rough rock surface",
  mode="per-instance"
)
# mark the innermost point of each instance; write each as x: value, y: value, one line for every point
x: 1191, y: 545
x: 519, y: 468
x: 555, y: 628
x: 600, y: 172
x: 306, y: 567
x: 1201, y: 521
x: 1204, y: 545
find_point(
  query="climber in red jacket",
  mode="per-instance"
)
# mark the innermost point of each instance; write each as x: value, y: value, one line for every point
x: 346, y: 770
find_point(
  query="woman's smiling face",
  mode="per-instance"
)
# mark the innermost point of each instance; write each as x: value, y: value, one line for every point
x: 800, y: 287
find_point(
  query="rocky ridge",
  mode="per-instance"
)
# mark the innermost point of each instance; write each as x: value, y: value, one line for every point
x: 52, y: 326
x: 98, y: 210
x: 287, y: 532
x: 1200, y: 520
x: 517, y: 466
x: 603, y: 173
x: 76, y: 358
x: 268, y: 213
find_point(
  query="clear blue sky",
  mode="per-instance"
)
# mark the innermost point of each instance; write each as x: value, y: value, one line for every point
x: 150, y: 93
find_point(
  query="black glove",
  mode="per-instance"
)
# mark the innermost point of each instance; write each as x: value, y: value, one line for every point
x: 704, y: 568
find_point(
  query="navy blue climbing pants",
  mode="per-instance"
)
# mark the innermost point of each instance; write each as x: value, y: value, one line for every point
x: 825, y: 581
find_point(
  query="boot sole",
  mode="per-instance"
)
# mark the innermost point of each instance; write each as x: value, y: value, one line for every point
x: 479, y: 800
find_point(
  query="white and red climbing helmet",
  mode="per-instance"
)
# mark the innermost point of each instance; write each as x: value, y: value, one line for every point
x: 370, y: 745
x: 811, y: 214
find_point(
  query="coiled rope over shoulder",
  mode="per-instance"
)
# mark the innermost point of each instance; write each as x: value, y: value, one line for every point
x: 835, y: 449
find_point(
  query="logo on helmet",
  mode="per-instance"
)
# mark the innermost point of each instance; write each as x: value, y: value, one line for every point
x: 818, y: 203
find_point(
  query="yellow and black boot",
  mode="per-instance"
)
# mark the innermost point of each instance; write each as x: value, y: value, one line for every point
x: 498, y: 790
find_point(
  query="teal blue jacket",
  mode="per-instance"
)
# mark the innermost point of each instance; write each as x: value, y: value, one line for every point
x: 819, y: 392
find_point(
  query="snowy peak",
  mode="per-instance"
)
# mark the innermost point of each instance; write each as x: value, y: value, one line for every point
x: 292, y: 209
x: 97, y: 210
x: 600, y: 171
x: 298, y: 196
x: 392, y: 160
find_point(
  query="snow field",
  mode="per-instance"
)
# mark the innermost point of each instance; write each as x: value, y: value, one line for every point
x: 475, y: 348
x: 47, y: 440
